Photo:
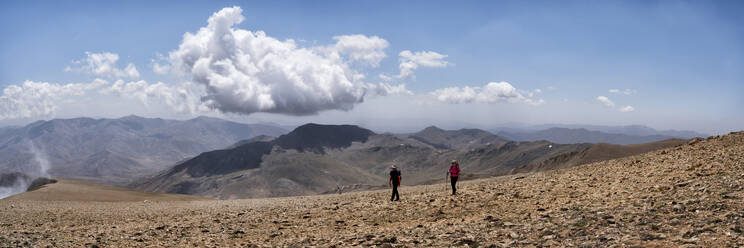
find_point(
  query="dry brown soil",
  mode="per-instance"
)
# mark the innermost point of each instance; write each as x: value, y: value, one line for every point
x: 689, y: 195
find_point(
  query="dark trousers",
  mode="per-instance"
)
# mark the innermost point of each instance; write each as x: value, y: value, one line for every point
x: 453, y: 180
x: 395, y: 192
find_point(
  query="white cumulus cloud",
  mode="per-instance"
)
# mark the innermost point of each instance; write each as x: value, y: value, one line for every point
x: 43, y: 99
x: 247, y: 72
x: 158, y: 67
x: 183, y: 98
x: 627, y: 109
x: 490, y: 93
x: 104, y: 65
x: 606, y: 101
x: 369, y: 50
x: 233, y: 71
x: 40, y: 99
x: 384, y: 89
x: 410, y: 61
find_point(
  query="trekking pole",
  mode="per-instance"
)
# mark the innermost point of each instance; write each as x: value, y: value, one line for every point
x: 446, y: 176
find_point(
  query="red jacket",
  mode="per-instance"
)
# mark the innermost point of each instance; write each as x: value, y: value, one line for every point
x: 454, y: 170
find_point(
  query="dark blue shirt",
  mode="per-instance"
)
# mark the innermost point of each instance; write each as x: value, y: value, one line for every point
x: 395, y: 176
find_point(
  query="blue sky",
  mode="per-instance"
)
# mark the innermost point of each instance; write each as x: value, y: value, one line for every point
x: 681, y: 62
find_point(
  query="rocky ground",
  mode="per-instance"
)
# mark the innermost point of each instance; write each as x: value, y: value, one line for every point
x: 690, y: 195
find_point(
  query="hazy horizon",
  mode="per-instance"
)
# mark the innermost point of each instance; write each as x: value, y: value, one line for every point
x: 506, y: 126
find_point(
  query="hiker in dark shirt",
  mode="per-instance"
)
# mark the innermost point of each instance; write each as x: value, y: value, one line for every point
x: 395, y: 182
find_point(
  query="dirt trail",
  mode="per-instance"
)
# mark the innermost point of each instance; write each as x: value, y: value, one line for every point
x: 690, y: 195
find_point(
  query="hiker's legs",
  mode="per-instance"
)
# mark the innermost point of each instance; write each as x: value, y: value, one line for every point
x: 453, y: 180
x: 392, y: 197
x: 395, y: 193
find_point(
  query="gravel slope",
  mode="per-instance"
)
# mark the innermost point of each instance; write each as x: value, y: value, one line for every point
x: 688, y: 195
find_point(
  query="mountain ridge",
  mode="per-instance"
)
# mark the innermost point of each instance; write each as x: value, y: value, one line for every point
x: 316, y: 158
x: 115, y: 151
x: 464, y: 138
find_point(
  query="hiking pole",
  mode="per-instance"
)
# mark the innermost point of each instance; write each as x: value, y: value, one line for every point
x: 446, y: 176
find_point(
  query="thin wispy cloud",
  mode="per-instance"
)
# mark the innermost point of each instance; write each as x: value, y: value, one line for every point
x: 609, y: 103
x: 410, y: 61
x: 493, y: 92
x: 624, y: 92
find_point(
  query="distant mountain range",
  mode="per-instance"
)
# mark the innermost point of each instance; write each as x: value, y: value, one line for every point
x: 572, y: 136
x: 459, y: 139
x: 316, y: 159
x: 218, y: 158
x: 630, y: 130
x: 115, y: 151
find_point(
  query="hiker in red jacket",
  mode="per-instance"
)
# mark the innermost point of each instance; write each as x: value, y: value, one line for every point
x: 453, y: 172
